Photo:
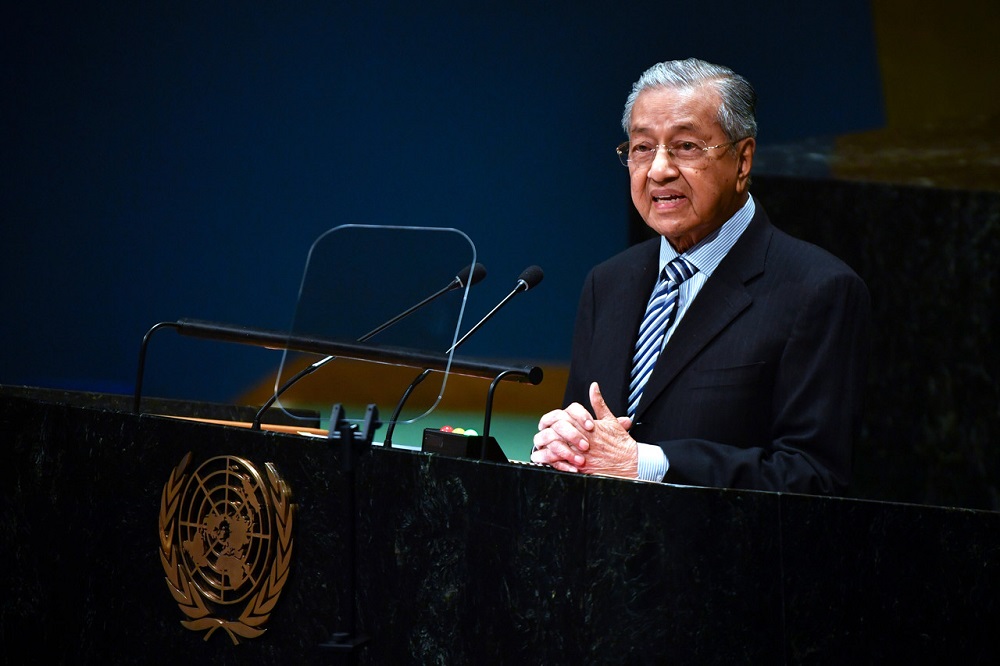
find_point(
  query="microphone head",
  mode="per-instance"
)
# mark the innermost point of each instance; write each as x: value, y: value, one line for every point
x: 471, y: 274
x: 531, y: 276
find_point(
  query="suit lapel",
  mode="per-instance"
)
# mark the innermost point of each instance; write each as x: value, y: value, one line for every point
x: 719, y: 302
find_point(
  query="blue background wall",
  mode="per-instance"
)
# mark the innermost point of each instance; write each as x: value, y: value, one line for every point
x: 176, y: 159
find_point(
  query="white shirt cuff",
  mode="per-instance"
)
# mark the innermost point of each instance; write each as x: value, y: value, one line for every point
x: 653, y: 463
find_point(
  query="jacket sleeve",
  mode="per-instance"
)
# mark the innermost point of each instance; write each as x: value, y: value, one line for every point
x: 815, y: 404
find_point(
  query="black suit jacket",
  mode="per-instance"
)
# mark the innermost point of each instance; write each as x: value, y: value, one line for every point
x: 760, y: 385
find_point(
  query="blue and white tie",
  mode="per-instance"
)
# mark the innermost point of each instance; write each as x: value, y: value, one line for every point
x: 660, y: 313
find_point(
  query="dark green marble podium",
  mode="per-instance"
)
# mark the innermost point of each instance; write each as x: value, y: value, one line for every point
x: 468, y: 562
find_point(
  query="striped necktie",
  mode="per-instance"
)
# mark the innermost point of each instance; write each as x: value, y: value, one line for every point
x: 660, y: 313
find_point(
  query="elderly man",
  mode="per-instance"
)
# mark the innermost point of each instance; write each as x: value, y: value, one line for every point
x: 725, y: 352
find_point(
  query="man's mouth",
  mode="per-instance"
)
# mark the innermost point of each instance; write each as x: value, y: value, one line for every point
x: 669, y: 197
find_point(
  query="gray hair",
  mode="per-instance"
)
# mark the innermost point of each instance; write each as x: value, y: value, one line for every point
x: 739, y: 101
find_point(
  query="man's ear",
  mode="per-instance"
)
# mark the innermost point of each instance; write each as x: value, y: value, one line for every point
x: 744, y: 162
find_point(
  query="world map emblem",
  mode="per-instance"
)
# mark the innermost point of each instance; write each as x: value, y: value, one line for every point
x: 226, y: 544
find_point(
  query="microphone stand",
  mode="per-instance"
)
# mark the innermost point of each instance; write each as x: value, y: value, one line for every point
x: 387, y: 442
x: 529, y: 278
x: 378, y: 353
x: 353, y: 443
x: 489, y: 405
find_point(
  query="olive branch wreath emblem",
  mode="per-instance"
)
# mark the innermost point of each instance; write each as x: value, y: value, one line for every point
x: 189, y: 599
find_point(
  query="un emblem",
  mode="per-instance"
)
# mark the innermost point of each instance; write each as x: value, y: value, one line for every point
x: 226, y: 544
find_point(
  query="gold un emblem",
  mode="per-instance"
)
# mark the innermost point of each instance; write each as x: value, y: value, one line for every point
x: 226, y: 544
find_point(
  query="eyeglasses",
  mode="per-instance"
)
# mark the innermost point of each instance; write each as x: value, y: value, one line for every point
x: 683, y: 152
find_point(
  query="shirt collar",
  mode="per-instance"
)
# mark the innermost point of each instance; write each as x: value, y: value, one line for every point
x: 711, y: 250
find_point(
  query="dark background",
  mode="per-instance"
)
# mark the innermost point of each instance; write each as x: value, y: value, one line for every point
x: 177, y: 159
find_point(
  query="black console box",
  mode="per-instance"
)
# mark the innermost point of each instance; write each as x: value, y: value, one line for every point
x: 479, y: 447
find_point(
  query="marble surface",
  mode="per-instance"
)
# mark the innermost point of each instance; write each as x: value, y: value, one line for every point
x: 462, y: 561
x: 912, y: 585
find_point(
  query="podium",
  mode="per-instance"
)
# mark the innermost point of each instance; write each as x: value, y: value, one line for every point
x: 473, y: 562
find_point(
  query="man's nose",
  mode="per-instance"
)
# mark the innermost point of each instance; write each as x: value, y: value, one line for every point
x: 663, y: 164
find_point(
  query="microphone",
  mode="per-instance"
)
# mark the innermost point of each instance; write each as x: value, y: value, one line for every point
x: 469, y: 275
x: 473, y: 274
x: 529, y: 277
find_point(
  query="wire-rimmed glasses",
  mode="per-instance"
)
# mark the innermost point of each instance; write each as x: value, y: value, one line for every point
x: 683, y: 152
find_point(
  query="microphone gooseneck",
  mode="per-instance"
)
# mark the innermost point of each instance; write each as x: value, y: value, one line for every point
x: 471, y: 274
x: 529, y: 277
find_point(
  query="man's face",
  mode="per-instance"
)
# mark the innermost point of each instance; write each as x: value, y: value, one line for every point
x: 685, y: 204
